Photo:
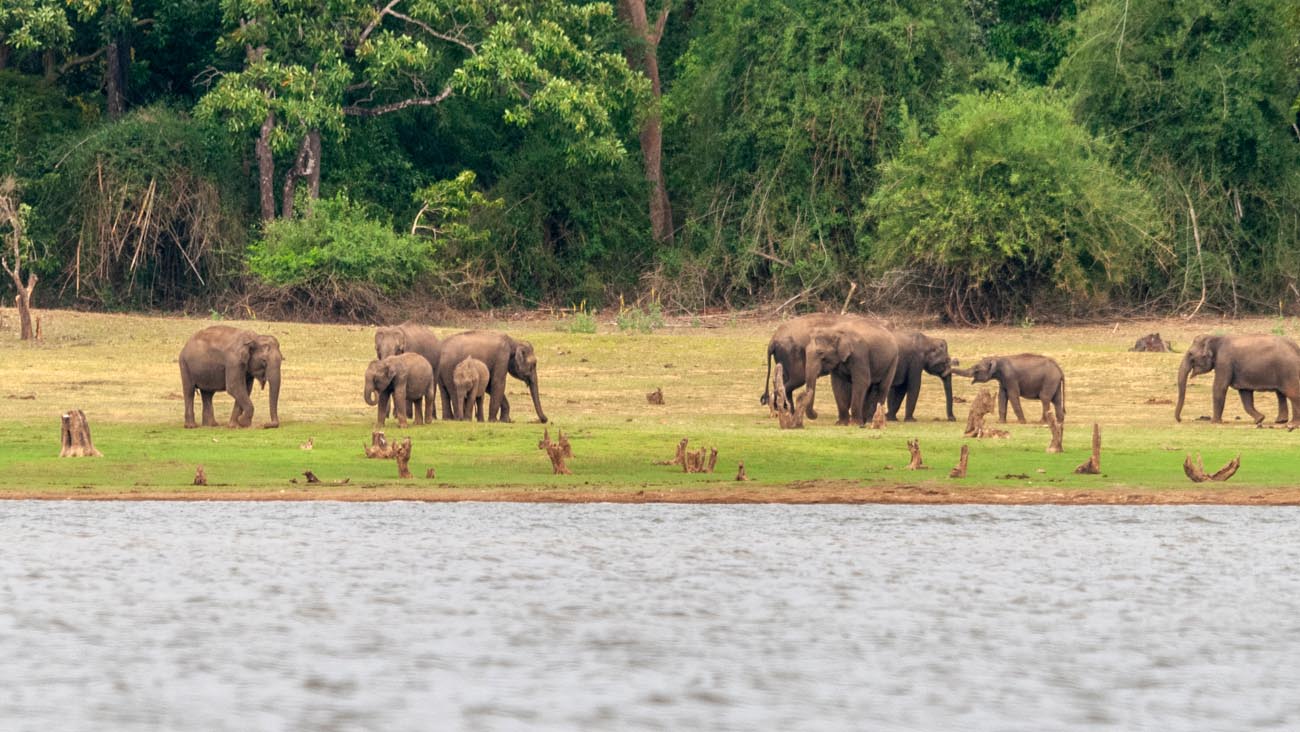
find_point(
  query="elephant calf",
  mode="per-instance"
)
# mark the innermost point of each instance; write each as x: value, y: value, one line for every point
x: 1027, y: 374
x: 407, y: 379
x: 470, y: 381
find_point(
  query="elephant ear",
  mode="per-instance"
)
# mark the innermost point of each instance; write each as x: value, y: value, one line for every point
x: 843, y: 347
x: 245, y: 347
x: 995, y: 367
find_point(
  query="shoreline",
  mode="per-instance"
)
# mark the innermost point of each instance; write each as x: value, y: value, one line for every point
x: 803, y: 493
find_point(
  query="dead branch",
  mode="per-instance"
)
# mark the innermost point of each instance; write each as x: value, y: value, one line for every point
x: 792, y: 419
x: 1058, y: 432
x: 11, y: 213
x: 1093, y: 465
x: 914, y: 447
x: 980, y: 408
x: 960, y: 470
x: 680, y: 459
x: 1196, y: 472
x: 75, y: 436
x: 556, y: 451
x: 402, y: 454
x: 780, y: 400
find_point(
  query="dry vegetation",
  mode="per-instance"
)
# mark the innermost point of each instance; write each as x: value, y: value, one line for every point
x: 121, y: 370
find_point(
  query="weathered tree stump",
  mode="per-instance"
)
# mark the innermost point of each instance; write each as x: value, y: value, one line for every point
x: 960, y: 470
x: 39, y: 335
x: 680, y: 459
x: 740, y: 472
x: 200, y: 478
x: 1058, y: 432
x: 779, y: 403
x: 402, y: 454
x: 702, y: 460
x: 378, y: 449
x: 75, y: 436
x: 308, y: 445
x: 311, y: 477
x: 1093, y: 465
x: 557, y: 451
x: 914, y: 447
x: 980, y: 408
x: 656, y: 396
x: 1196, y: 472
x: 878, y: 421
x: 1152, y: 342
x: 430, y: 474
x: 792, y: 418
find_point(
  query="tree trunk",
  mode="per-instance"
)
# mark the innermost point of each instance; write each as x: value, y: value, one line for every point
x: 963, y: 461
x: 307, y: 166
x: 114, y: 81
x: 75, y: 436
x: 51, y: 68
x: 10, y: 213
x: 643, y: 56
x: 266, y: 168
x: 5, y: 50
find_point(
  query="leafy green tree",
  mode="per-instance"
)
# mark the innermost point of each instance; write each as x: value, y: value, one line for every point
x: 1197, y: 95
x: 1009, y: 202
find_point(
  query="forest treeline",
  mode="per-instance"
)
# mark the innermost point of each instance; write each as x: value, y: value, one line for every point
x: 986, y: 159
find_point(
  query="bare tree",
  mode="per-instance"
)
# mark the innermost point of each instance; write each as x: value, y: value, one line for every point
x: 643, y: 55
x: 11, y: 213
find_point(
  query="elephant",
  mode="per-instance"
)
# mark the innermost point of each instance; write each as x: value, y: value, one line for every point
x: 470, y: 381
x: 407, y: 379
x: 223, y: 358
x: 917, y: 354
x: 861, y: 359
x: 1026, y: 374
x: 789, y: 343
x: 502, y: 355
x: 1247, y: 363
x: 408, y: 337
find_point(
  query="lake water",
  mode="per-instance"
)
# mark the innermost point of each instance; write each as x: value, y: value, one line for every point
x: 402, y: 616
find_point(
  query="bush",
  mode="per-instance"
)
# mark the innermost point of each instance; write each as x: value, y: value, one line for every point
x: 1010, y: 201
x: 338, y: 243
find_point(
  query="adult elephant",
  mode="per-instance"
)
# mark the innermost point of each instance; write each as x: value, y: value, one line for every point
x: 1027, y: 374
x: 789, y: 344
x: 222, y: 358
x: 502, y: 355
x: 408, y: 337
x: 917, y: 354
x: 1247, y: 363
x: 861, y: 359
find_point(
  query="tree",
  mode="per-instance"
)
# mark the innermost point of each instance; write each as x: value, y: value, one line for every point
x: 1010, y: 201
x: 13, y: 214
x: 642, y: 55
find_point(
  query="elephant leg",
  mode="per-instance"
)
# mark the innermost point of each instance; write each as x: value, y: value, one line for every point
x: 209, y: 415
x: 842, y: 390
x: 1282, y: 416
x: 857, y: 401
x: 1013, y: 397
x: 505, y: 409
x: 1002, y: 404
x: 1220, y: 394
x: 448, y: 411
x: 188, y: 389
x: 1059, y: 400
x: 417, y: 409
x: 382, y: 411
x: 913, y: 393
x: 400, y: 406
x: 1294, y: 397
x: 895, y: 400
x: 1248, y: 403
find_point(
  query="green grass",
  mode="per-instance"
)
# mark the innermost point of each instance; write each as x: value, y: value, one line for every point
x: 121, y: 370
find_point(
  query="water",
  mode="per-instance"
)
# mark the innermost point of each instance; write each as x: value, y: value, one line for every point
x: 398, y: 616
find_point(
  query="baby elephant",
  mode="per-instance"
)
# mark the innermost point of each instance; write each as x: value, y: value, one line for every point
x: 1028, y: 375
x: 470, y: 379
x: 407, y: 379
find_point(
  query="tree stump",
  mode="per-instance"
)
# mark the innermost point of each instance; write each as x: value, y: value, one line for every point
x: 1197, y: 472
x: 779, y: 402
x: 1093, y: 465
x: 1058, y: 432
x: 680, y: 459
x: 914, y: 447
x: 199, y: 477
x: 740, y: 472
x: 878, y: 421
x: 556, y: 451
x: 960, y: 470
x: 75, y: 436
x: 402, y: 453
x: 656, y: 396
x: 792, y: 418
x: 378, y: 449
x: 980, y: 408
x: 701, y: 461
x: 311, y: 477
x: 429, y: 474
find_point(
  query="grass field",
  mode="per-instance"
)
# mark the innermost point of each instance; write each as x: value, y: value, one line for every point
x: 121, y: 370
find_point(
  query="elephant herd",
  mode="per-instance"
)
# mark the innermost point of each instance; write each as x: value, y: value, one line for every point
x: 869, y: 363
x: 411, y: 368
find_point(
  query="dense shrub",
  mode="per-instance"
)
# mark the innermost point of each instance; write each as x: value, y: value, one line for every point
x: 1009, y: 201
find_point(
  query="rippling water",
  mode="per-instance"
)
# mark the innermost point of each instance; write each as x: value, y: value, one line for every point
x: 398, y: 616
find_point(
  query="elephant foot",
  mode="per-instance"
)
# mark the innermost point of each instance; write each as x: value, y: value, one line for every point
x: 952, y: 418
x: 270, y: 425
x: 909, y: 419
x: 1292, y: 425
x: 810, y: 413
x: 841, y: 423
x: 191, y: 426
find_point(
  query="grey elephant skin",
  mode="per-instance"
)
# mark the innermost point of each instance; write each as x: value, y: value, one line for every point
x: 861, y: 359
x: 919, y: 354
x: 789, y: 345
x: 470, y: 380
x: 1026, y: 375
x: 502, y: 355
x: 1247, y: 363
x: 223, y: 358
x: 406, y: 379
x: 408, y: 337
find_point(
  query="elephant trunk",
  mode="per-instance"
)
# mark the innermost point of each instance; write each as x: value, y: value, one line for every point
x: 947, y: 394
x: 273, y: 378
x: 537, y: 401
x: 1183, y: 371
x: 371, y: 393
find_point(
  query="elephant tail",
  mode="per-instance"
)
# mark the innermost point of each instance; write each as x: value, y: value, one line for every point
x: 767, y: 381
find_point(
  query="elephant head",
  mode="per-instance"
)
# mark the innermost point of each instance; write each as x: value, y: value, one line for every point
x: 261, y: 358
x: 986, y: 370
x: 389, y: 342
x: 827, y: 349
x: 1198, y: 359
x: 379, y: 378
x: 935, y: 358
x: 523, y: 366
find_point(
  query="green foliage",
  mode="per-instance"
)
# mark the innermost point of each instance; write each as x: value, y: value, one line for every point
x: 338, y: 242
x: 582, y: 320
x: 640, y: 320
x: 1009, y: 201
x: 1031, y: 35
x: 33, y: 117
